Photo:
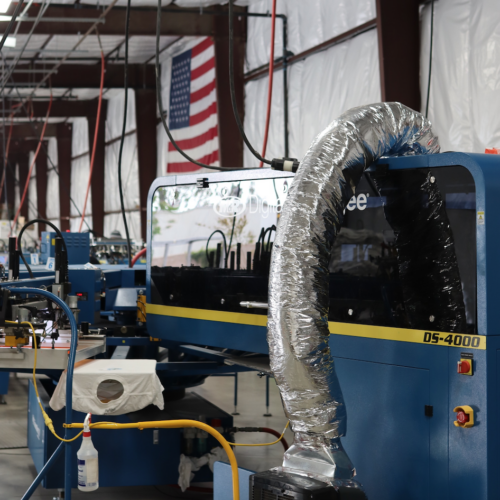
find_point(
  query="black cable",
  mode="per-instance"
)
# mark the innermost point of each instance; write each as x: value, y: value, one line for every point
x: 232, y: 90
x: 430, y: 61
x: 160, y: 99
x: 210, y: 237
x: 11, y: 23
x: 19, y: 240
x: 232, y: 229
x: 120, y: 154
x: 272, y: 228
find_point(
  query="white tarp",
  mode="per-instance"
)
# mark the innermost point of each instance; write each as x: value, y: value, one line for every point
x: 320, y: 89
x: 32, y: 201
x: 130, y: 168
x: 80, y: 168
x: 111, y: 386
x: 53, y: 206
x: 465, y: 86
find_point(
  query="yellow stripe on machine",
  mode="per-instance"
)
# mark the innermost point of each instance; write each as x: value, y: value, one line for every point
x: 207, y: 315
x: 348, y: 329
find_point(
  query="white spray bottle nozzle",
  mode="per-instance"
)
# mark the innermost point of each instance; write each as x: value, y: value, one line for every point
x: 86, y: 422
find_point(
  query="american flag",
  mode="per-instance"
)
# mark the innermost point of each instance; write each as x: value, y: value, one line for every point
x: 193, y: 108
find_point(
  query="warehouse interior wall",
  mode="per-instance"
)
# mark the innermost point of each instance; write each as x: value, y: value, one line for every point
x: 464, y: 104
x: 80, y: 168
x: 113, y: 219
x: 53, y: 205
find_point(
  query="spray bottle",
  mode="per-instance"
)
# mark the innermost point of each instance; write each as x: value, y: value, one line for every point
x: 88, y: 465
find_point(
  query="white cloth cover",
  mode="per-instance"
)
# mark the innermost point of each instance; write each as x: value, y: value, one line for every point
x: 189, y: 465
x: 141, y: 385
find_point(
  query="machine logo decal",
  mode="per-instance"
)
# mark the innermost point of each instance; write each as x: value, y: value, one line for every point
x: 229, y: 206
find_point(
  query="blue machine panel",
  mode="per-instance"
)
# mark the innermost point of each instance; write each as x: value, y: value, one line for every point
x: 387, y: 427
x: 78, y: 245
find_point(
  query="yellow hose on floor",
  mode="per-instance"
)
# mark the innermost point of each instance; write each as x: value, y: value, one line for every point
x: 177, y: 424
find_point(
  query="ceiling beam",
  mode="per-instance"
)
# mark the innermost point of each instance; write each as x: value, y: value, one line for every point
x: 140, y: 76
x: 175, y: 21
x: 60, y: 108
x: 29, y: 131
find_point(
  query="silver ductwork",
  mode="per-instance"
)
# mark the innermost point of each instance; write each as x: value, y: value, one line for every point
x: 298, y: 332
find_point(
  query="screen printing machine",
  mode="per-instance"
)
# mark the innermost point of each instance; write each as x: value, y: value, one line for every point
x: 417, y: 362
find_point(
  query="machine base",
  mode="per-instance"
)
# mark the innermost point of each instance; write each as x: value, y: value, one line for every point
x: 278, y: 485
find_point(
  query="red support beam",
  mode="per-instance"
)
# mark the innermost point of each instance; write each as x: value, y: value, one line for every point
x: 145, y: 109
x: 41, y: 184
x: 97, y: 184
x: 64, y: 137
x: 398, y: 27
x: 230, y: 141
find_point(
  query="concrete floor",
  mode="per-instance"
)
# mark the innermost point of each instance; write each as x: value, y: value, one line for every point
x: 17, y: 470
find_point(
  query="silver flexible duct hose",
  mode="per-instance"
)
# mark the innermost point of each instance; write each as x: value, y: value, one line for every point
x: 298, y: 332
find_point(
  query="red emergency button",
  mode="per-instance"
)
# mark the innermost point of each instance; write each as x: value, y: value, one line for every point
x: 465, y: 416
x: 463, y: 366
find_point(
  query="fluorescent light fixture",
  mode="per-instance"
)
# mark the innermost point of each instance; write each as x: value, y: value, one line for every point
x: 4, y: 5
x: 10, y: 41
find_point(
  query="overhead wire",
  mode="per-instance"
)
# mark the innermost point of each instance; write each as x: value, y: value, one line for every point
x: 11, y: 23
x: 270, y: 84
x: 66, y: 56
x: 233, y: 91
x: 41, y: 12
x: 159, y: 98
x: 122, y: 140
x: 94, y: 146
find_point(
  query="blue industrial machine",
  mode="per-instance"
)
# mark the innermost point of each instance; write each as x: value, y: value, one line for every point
x: 421, y: 402
x: 78, y: 245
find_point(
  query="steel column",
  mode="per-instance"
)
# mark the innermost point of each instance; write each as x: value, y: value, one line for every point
x: 64, y: 138
x: 398, y: 28
x: 41, y: 184
x: 230, y: 141
x: 145, y: 111
x: 97, y: 184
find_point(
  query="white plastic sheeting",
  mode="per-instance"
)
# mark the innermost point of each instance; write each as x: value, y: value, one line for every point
x: 130, y: 168
x: 320, y: 89
x: 32, y: 201
x: 80, y: 168
x: 464, y: 102
x: 53, y: 206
